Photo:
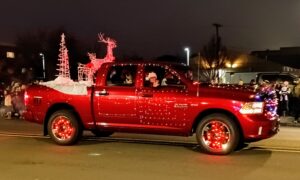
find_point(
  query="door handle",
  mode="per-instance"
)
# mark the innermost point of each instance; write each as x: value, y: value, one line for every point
x: 101, y: 93
x: 147, y: 95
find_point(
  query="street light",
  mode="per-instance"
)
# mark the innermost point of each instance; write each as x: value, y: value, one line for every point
x: 187, y: 50
x: 44, y: 68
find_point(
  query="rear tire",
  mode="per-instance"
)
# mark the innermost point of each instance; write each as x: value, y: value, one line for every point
x: 217, y: 134
x: 64, y: 127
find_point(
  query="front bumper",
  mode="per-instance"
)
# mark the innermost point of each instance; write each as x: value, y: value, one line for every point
x: 255, y: 129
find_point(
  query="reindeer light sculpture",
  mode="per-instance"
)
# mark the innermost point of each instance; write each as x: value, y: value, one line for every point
x: 86, y: 71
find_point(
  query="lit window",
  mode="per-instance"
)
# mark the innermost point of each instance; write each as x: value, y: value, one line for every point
x: 10, y: 55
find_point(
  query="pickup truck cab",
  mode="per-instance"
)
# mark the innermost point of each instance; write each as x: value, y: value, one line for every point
x: 156, y: 98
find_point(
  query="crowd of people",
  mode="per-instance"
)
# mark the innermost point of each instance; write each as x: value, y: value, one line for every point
x: 13, y: 101
x: 288, y: 97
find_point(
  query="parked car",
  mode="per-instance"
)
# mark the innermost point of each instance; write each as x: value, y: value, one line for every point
x: 246, y: 77
x: 277, y: 77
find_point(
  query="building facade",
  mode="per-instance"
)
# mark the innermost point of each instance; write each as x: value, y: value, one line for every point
x: 286, y: 56
x: 7, y: 52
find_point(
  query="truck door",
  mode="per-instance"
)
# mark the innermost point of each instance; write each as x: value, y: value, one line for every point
x: 115, y: 102
x: 163, y: 100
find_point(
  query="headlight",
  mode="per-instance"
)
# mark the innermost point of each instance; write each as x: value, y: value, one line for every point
x: 252, y: 108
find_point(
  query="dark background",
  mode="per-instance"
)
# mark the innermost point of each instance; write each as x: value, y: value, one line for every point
x: 156, y: 27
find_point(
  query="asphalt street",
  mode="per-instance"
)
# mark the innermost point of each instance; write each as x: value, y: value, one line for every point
x: 26, y: 154
x: 39, y: 159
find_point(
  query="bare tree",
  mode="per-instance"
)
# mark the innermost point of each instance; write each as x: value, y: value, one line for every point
x: 211, y: 62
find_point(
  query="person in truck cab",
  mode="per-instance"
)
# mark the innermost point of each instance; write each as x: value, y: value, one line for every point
x: 127, y: 78
x: 152, y: 77
x: 167, y: 79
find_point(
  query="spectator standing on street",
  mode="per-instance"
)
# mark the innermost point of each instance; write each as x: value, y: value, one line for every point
x: 297, y: 101
x: 277, y: 87
x: 8, y: 104
x: 18, y: 100
x: 253, y: 84
x: 284, y: 97
x: 241, y: 82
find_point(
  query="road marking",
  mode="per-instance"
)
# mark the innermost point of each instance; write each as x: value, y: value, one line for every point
x: 142, y: 141
x: 279, y: 150
x: 154, y: 141
x: 274, y: 149
x: 94, y: 154
x: 23, y: 135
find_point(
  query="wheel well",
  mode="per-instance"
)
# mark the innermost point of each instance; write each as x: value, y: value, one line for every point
x: 220, y: 111
x: 57, y: 107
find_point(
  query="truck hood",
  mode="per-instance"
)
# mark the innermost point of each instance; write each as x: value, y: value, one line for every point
x: 239, y: 93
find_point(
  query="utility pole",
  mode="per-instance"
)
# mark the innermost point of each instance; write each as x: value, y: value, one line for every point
x: 198, y: 67
x: 218, y: 43
x: 218, y: 38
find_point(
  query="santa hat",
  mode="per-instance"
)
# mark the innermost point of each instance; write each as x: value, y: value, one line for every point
x: 152, y: 75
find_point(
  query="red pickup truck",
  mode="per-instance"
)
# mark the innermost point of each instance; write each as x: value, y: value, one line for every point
x: 156, y: 98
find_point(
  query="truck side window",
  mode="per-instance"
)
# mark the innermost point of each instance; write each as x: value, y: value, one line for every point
x: 119, y: 75
x: 160, y: 76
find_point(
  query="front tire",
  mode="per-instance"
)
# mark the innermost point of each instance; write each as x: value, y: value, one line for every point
x: 64, y: 127
x: 217, y: 134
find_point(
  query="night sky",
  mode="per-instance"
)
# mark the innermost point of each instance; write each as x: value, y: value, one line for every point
x: 157, y: 27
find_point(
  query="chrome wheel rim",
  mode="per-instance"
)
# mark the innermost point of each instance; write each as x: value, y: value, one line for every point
x: 62, y: 128
x: 216, y: 135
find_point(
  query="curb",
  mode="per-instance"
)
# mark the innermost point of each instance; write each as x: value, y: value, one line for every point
x: 290, y: 124
x: 288, y: 121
